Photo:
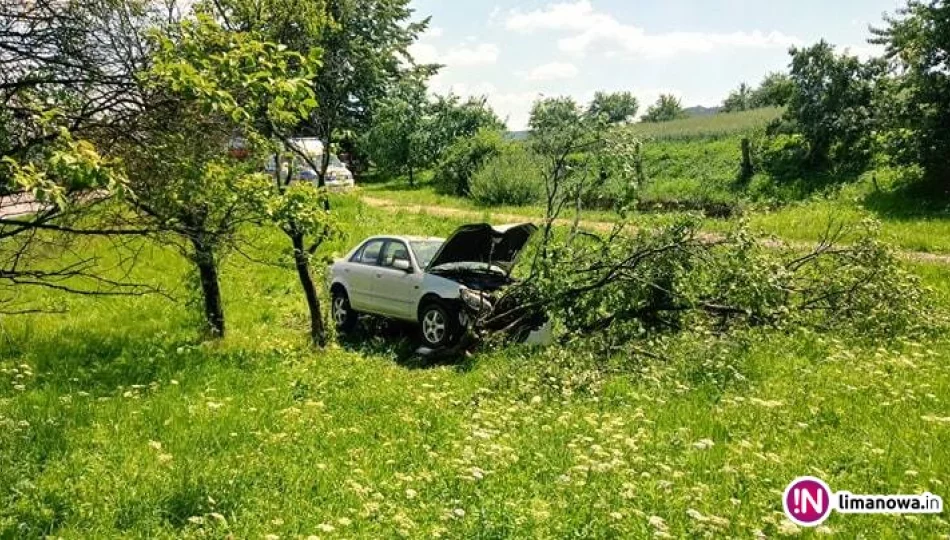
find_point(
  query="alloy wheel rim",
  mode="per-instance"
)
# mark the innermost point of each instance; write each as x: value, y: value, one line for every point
x: 339, y: 310
x: 433, y: 326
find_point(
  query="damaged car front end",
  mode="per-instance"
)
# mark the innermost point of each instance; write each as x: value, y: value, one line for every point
x: 481, y: 259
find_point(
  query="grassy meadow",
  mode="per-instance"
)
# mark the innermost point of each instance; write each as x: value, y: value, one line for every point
x: 117, y: 421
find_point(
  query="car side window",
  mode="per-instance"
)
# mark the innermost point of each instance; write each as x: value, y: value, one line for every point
x: 370, y: 253
x: 395, y: 251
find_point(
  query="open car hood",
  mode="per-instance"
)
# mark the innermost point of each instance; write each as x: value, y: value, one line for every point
x: 482, y: 243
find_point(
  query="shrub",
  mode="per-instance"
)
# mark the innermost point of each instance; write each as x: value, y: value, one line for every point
x: 512, y: 177
x: 464, y: 158
x: 784, y: 156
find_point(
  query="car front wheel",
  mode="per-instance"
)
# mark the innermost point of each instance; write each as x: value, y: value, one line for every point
x: 439, y: 328
x: 343, y: 315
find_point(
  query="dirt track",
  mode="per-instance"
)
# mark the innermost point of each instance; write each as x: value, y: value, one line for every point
x: 598, y: 226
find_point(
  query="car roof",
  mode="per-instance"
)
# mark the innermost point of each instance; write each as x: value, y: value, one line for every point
x: 404, y: 238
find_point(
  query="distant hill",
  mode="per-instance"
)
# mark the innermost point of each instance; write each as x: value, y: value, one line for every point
x: 517, y: 135
x: 701, y: 111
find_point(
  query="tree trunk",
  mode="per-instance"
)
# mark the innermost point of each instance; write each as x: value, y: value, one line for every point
x: 745, y: 170
x: 210, y: 287
x: 318, y: 334
x: 412, y: 180
x: 322, y: 177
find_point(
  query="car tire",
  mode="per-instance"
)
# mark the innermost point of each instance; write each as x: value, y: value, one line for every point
x: 438, y: 325
x: 344, y: 318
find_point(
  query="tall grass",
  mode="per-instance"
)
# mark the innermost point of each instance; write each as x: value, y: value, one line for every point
x: 708, y: 127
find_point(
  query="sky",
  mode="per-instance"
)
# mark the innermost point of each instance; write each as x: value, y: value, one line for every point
x: 515, y: 51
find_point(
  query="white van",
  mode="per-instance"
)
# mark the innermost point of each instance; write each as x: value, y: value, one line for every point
x: 339, y: 175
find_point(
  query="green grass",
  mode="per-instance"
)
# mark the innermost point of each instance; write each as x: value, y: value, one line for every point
x: 698, y: 171
x: 424, y: 193
x: 115, y: 421
x: 708, y: 127
x: 808, y: 221
x: 906, y: 221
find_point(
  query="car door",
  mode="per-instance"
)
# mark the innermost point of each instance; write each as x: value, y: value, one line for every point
x: 361, y: 276
x: 397, y: 289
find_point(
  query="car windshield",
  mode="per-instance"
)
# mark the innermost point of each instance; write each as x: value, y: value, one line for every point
x: 425, y: 250
x: 334, y: 160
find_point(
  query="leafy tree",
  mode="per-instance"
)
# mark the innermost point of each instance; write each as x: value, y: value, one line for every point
x: 918, y: 42
x: 205, y: 84
x: 364, y: 44
x: 450, y: 119
x: 667, y: 107
x: 618, y: 107
x: 831, y: 105
x: 775, y: 91
x: 738, y: 100
x: 409, y: 132
x: 66, y: 87
x: 577, y: 152
x: 300, y: 210
x: 453, y: 174
x: 397, y: 140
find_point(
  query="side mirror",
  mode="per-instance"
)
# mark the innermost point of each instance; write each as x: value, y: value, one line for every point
x: 403, y: 264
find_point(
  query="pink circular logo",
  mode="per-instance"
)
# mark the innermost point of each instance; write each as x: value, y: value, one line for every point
x: 807, y: 501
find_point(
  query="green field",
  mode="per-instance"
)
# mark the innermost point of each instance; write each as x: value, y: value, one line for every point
x: 714, y: 126
x: 118, y: 422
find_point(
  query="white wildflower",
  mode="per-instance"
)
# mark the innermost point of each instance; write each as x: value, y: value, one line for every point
x: 703, y: 444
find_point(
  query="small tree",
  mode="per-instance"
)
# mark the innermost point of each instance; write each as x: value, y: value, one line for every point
x: 203, y: 84
x: 578, y: 152
x: 462, y: 160
x: 775, y: 91
x: 397, y: 140
x: 738, y: 100
x: 617, y: 107
x: 65, y: 88
x: 918, y: 42
x: 666, y: 108
x: 449, y: 119
x: 563, y: 136
x: 299, y: 211
x: 831, y: 104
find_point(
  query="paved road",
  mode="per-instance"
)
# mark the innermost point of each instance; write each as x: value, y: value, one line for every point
x: 600, y: 226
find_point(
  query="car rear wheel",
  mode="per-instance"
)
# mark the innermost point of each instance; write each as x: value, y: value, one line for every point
x: 343, y: 315
x: 438, y: 325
